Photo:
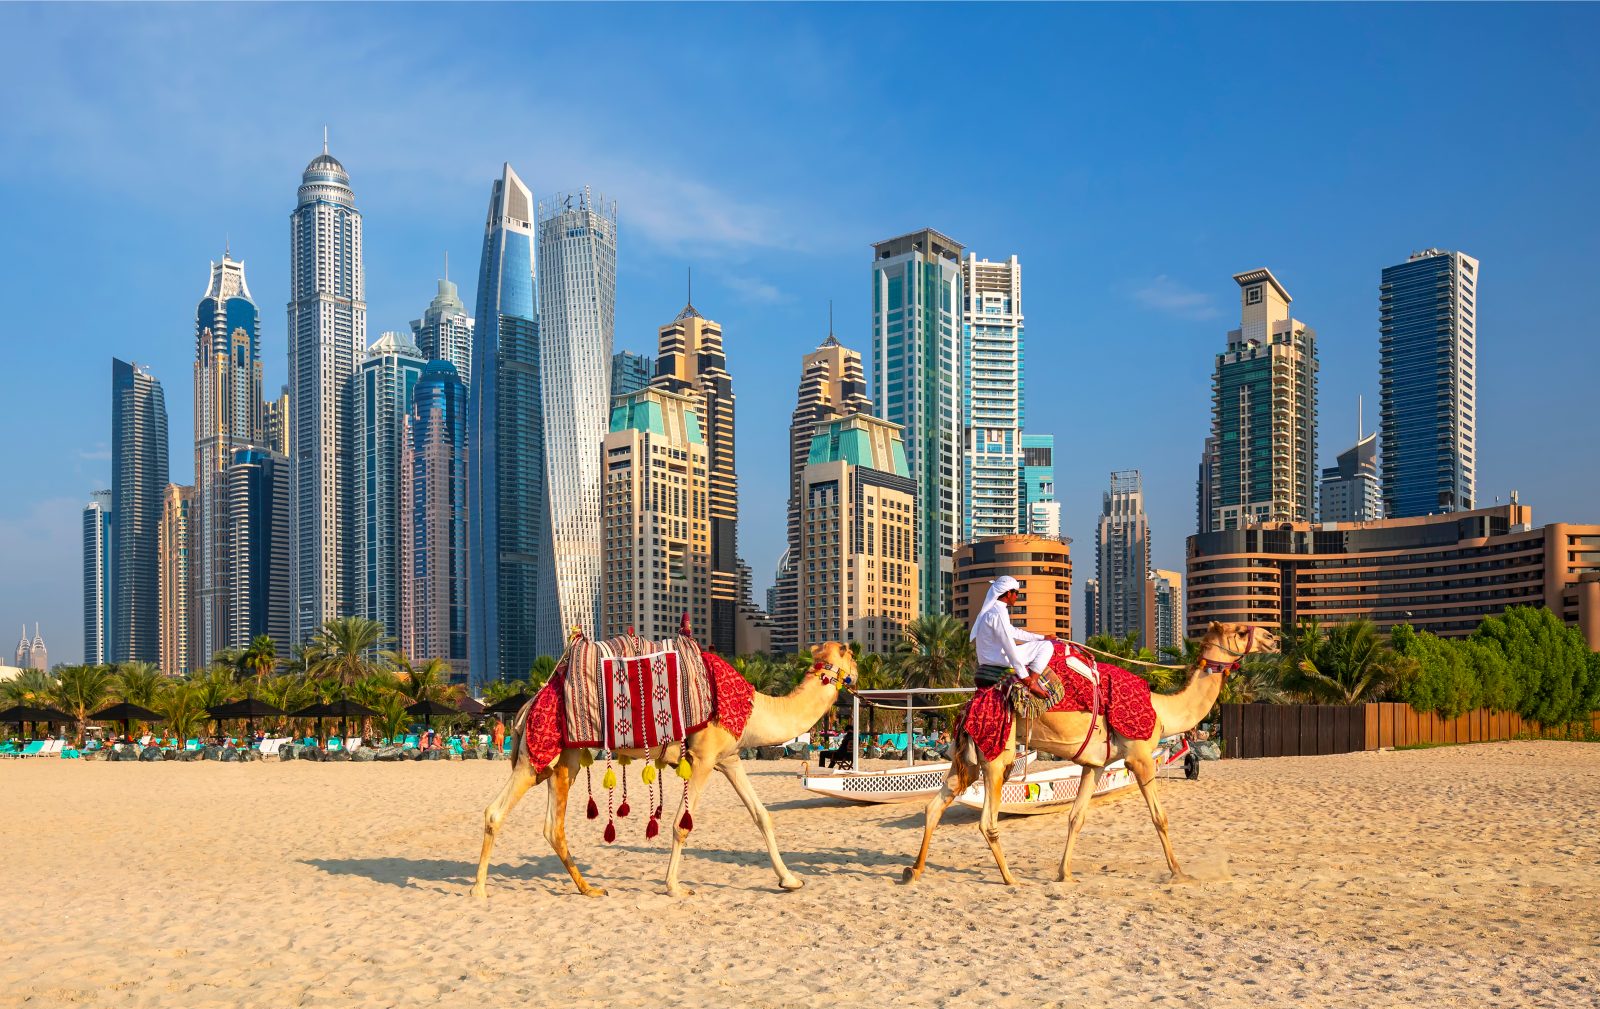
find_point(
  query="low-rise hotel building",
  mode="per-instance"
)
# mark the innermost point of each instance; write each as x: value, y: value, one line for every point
x: 1043, y: 567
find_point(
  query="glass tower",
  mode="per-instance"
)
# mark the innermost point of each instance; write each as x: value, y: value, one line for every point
x: 1350, y: 489
x: 433, y: 609
x: 258, y: 507
x: 327, y: 341
x: 227, y: 417
x: 97, y: 578
x: 444, y: 333
x: 1427, y: 338
x: 577, y: 322
x: 991, y: 397
x: 630, y: 372
x: 1122, y: 558
x: 139, y: 477
x: 917, y: 383
x: 506, y: 522
x: 382, y: 401
x: 1041, y: 509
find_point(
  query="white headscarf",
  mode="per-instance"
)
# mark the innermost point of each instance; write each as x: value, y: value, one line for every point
x: 997, y: 588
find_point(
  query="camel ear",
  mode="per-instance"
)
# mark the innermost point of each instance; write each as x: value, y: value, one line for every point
x: 1215, y: 628
x: 816, y: 650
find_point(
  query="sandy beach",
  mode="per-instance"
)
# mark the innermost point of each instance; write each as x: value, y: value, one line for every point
x: 1455, y: 876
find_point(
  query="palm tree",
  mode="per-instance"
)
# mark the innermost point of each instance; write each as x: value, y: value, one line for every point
x: 876, y: 672
x: 392, y: 719
x: 34, y: 687
x: 184, y: 708
x: 1350, y: 664
x: 215, y: 686
x: 428, y: 682
x: 1135, y: 658
x: 141, y: 683
x: 82, y: 690
x: 1259, y: 678
x: 540, y: 672
x: 260, y: 659
x: 340, y: 650
x: 936, y: 652
x: 499, y: 690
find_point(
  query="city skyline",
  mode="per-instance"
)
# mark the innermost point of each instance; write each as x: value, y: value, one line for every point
x: 1164, y: 304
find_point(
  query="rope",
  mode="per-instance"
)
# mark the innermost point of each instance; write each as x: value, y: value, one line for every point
x: 869, y: 702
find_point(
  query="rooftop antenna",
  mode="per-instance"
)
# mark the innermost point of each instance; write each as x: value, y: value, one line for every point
x: 447, y: 266
x: 324, y: 140
x: 830, y: 316
x: 227, y: 245
x: 1361, y: 424
x: 691, y: 285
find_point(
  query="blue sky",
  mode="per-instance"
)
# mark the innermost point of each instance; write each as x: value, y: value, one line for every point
x: 1134, y: 158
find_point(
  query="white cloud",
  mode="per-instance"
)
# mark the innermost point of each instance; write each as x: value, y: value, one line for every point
x: 1165, y: 295
x: 754, y: 289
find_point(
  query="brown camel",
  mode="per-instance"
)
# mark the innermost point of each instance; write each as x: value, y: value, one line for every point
x: 1062, y: 733
x: 772, y: 720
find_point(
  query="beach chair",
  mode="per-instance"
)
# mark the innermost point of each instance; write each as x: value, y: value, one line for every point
x: 410, y: 742
x: 33, y: 749
x: 269, y: 747
x: 53, y: 747
x: 352, y: 745
x: 335, y: 743
x: 193, y: 744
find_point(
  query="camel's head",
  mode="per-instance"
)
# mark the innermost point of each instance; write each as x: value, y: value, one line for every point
x: 1225, y: 644
x: 833, y: 663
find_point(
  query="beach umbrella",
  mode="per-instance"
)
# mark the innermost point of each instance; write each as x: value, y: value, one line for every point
x: 249, y: 709
x: 427, y: 708
x: 125, y: 713
x: 24, y: 713
x: 471, y: 706
x: 508, y: 706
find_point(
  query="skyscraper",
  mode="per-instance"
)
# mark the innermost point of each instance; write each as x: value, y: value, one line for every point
x: 657, y: 543
x: 832, y: 385
x: 382, y: 400
x: 690, y: 361
x: 1091, y: 607
x: 138, y: 484
x: 227, y: 417
x: 258, y: 507
x: 1163, y: 613
x: 433, y: 610
x: 1350, y: 488
x: 1040, y: 508
x: 991, y: 397
x: 97, y: 578
x: 1428, y: 343
x: 275, y: 427
x: 1202, y: 495
x: 22, y: 654
x: 327, y: 340
x: 577, y: 324
x: 180, y: 652
x: 507, y: 526
x: 444, y: 333
x: 630, y: 372
x: 1122, y: 557
x: 1264, y: 412
x: 857, y: 567
x: 917, y: 383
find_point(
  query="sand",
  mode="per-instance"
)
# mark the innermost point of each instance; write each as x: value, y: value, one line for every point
x: 1457, y: 876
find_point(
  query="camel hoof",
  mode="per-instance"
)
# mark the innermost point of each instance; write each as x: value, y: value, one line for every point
x: 479, y: 893
x: 1066, y: 879
x: 1182, y: 877
x: 908, y: 875
x: 593, y: 891
x: 792, y: 883
x: 679, y: 891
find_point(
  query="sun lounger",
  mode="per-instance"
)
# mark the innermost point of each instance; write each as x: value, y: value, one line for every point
x: 193, y: 744
x: 410, y: 743
x: 53, y: 747
x: 352, y: 745
x: 33, y: 749
x: 270, y: 747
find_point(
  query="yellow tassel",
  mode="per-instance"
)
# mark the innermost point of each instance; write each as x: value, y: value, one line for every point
x: 610, y: 780
x: 648, y: 774
x: 585, y: 758
x: 684, y: 771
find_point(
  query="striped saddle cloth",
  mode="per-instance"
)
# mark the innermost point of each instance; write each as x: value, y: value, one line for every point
x: 629, y: 693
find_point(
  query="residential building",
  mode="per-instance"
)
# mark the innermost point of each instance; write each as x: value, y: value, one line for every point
x: 630, y: 372
x: 507, y: 553
x: 180, y: 651
x: 857, y: 562
x: 991, y: 397
x: 444, y: 333
x: 97, y: 522
x: 275, y: 425
x: 1350, y: 488
x: 327, y: 342
x: 259, y: 509
x: 1042, y: 565
x: 1264, y: 412
x: 1040, y: 509
x: 1203, y: 486
x: 832, y: 385
x: 917, y: 383
x: 433, y: 608
x: 753, y: 635
x: 228, y: 416
x: 1428, y: 377
x: 31, y: 654
x: 577, y: 326
x: 382, y: 399
x: 1439, y: 573
x: 690, y: 361
x: 657, y: 535
x: 1122, y: 557
x: 1163, y: 614
x: 139, y: 477
x: 1091, y: 607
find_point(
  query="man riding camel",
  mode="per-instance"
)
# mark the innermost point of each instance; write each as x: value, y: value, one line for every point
x: 1000, y: 644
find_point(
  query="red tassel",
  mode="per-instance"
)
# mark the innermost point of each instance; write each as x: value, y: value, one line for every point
x: 686, y: 824
x: 594, y: 809
x: 611, y: 832
x: 622, y: 810
x: 652, y: 828
x: 657, y: 814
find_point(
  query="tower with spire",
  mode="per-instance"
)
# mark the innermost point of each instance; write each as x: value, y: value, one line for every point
x: 38, y: 655
x: 23, y: 649
x: 444, y: 333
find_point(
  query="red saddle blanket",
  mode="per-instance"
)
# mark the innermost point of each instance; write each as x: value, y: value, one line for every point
x: 1124, y: 703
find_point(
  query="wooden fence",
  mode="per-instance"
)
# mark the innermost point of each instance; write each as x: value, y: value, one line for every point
x: 1303, y: 730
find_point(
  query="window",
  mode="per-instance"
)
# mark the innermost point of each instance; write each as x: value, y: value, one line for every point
x: 1252, y: 295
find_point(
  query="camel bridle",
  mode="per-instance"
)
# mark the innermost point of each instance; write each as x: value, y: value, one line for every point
x: 827, y: 672
x: 1225, y: 668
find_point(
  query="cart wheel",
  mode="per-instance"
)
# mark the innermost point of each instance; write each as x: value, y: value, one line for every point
x: 1191, y: 766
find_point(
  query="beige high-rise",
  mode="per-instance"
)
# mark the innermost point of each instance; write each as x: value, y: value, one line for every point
x: 690, y: 362
x: 655, y: 517
x: 856, y: 565
x: 175, y: 547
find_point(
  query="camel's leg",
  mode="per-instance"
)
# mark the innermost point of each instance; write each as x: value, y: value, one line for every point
x: 701, y: 765
x: 961, y: 775
x: 1079, y: 813
x: 522, y: 777
x: 555, y: 819
x: 1143, y: 767
x: 732, y: 768
x: 994, y: 778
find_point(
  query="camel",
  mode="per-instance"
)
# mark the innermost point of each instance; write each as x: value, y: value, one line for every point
x: 772, y: 720
x: 1062, y: 733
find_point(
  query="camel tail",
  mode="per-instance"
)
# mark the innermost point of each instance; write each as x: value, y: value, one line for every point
x: 519, y: 726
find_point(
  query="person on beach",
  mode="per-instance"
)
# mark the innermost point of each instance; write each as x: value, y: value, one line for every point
x: 1000, y: 644
x: 498, y: 733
